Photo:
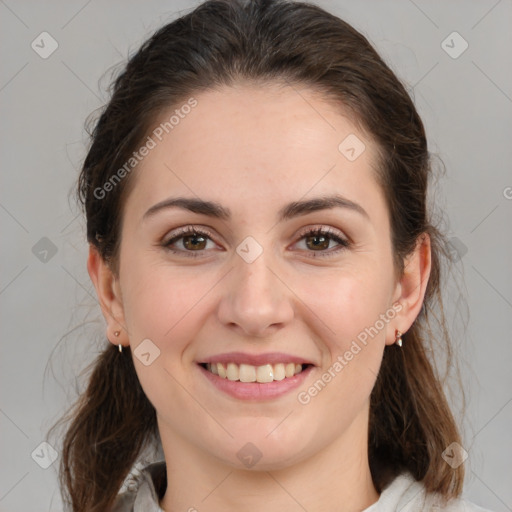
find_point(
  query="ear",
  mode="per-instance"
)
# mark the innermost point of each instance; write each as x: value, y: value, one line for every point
x: 410, y: 289
x: 109, y: 296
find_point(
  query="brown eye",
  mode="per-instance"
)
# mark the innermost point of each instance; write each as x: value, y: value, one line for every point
x: 318, y: 240
x: 195, y: 241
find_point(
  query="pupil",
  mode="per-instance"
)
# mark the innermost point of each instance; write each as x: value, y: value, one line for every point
x: 193, y: 244
x: 321, y: 243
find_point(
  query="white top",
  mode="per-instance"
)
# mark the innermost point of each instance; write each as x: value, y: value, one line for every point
x: 403, y: 494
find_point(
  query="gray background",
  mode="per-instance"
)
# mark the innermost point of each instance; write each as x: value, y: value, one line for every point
x: 47, y: 302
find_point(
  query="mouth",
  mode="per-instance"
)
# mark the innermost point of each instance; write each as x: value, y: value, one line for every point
x: 252, y: 377
x: 261, y: 374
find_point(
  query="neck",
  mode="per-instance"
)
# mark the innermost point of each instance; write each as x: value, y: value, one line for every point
x: 336, y: 479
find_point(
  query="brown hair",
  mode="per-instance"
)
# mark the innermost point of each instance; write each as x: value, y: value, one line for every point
x: 219, y: 43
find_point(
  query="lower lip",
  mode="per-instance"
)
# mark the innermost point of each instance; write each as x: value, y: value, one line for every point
x: 256, y: 390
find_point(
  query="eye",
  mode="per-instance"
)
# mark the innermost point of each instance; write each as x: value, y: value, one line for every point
x: 318, y: 240
x: 194, y: 241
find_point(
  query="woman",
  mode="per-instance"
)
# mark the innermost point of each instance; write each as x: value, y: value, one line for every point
x: 255, y: 195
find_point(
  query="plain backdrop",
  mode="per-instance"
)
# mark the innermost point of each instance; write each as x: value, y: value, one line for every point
x: 50, y: 323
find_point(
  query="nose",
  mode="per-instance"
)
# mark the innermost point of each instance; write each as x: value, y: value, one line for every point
x: 256, y: 300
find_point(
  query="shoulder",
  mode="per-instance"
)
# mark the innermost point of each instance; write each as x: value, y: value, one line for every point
x: 143, y: 491
x: 406, y: 494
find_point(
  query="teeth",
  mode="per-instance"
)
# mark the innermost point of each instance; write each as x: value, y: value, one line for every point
x: 221, y: 370
x: 249, y: 373
x: 265, y: 373
x: 232, y: 372
x: 279, y: 371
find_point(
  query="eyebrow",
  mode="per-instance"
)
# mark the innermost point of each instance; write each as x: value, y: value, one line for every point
x: 289, y: 211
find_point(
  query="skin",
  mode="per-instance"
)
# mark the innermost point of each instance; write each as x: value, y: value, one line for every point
x: 254, y: 149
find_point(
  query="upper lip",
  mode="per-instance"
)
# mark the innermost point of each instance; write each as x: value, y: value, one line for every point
x: 255, y: 359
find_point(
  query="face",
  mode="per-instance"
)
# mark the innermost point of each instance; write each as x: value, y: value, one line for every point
x: 268, y: 280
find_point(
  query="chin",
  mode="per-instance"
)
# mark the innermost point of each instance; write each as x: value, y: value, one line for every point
x: 257, y: 451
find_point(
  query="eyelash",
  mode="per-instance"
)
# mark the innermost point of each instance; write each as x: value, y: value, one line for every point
x: 327, y: 232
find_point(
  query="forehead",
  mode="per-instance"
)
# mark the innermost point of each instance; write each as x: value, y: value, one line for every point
x: 268, y: 143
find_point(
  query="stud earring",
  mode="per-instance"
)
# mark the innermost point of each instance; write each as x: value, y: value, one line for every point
x: 120, y: 347
x: 398, y: 338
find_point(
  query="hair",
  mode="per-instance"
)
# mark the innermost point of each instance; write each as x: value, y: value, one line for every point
x: 223, y: 43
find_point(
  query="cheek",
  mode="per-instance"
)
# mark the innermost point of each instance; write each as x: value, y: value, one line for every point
x: 158, y: 302
x: 351, y: 306
x: 168, y: 305
x: 347, y: 301
x: 162, y: 306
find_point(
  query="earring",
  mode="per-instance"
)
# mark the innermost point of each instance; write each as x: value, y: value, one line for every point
x: 116, y: 334
x: 398, y: 338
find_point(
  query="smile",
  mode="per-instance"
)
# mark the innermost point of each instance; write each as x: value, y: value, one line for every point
x: 248, y: 373
x: 251, y: 377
